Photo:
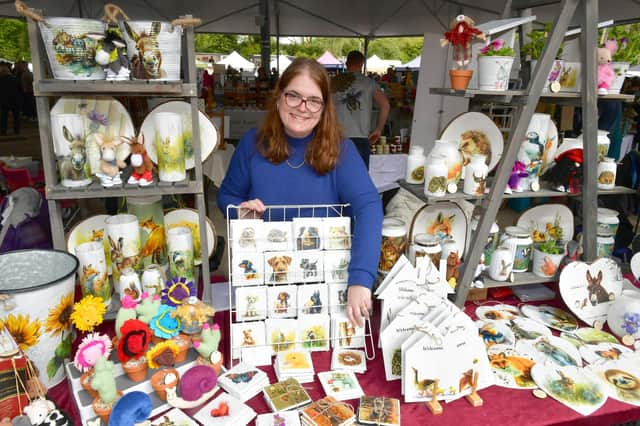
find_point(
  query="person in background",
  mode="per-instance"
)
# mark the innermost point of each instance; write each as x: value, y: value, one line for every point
x: 9, y: 100
x: 354, y: 96
x: 25, y: 79
x: 299, y: 156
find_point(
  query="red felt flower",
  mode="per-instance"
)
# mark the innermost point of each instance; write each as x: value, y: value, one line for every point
x: 134, y: 340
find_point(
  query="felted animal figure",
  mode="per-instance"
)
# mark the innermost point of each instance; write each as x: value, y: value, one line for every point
x: 282, y: 303
x: 146, y: 63
x: 73, y: 166
x: 127, y: 311
x: 38, y: 410
x: 110, y: 161
x: 517, y: 366
x: 280, y: 266
x: 209, y: 340
x: 605, y: 73
x: 597, y: 293
x: 453, y: 265
x: 148, y: 307
x: 422, y: 386
x: 247, y: 338
x: 558, y: 355
x: 111, y: 53
x: 518, y: 172
x: 142, y: 166
x: 466, y: 381
x: 309, y: 269
x: 251, y: 310
x: 461, y: 32
x: 249, y: 271
x: 566, y: 175
x: 314, y: 304
x: 155, y: 244
x: 104, y: 380
x: 308, y: 238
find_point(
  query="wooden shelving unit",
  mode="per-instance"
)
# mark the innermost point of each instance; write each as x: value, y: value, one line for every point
x: 46, y: 87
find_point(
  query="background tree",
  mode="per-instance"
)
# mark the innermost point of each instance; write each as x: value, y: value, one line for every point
x: 14, y: 40
x: 216, y: 43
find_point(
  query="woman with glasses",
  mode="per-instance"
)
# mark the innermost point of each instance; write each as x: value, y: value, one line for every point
x: 298, y: 156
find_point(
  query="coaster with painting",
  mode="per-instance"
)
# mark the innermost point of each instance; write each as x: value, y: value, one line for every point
x: 282, y: 418
x: 243, y: 381
x: 342, y: 385
x: 338, y: 298
x: 379, y: 411
x: 247, y: 235
x: 336, y: 233
x: 309, y: 267
x: 279, y: 267
x: 247, y: 334
x: 281, y: 334
x: 225, y: 410
x: 248, y: 268
x: 349, y: 359
x: 313, y: 299
x: 278, y: 236
x: 336, y: 266
x: 314, y: 332
x: 282, y: 301
x: 251, y: 303
x: 307, y: 232
x: 328, y: 412
x: 285, y: 395
x: 345, y: 335
x: 294, y: 364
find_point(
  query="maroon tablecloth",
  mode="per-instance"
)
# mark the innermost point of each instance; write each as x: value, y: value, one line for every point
x: 501, y: 405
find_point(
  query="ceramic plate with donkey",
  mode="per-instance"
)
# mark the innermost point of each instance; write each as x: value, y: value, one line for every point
x: 476, y: 133
x: 590, y: 289
x: 189, y: 218
x: 90, y: 229
x: 209, y: 135
x: 443, y: 220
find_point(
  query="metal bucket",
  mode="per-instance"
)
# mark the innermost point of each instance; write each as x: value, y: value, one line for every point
x: 71, y: 52
x: 154, y: 48
x: 38, y: 286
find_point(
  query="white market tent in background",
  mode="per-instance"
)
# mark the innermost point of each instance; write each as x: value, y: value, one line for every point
x: 235, y: 60
x: 412, y: 65
x: 375, y: 64
x: 282, y: 60
x: 329, y: 61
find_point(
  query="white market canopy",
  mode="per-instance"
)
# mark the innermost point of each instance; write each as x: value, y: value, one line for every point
x: 360, y: 18
x: 375, y: 64
x: 413, y: 64
x: 235, y: 60
x: 283, y: 61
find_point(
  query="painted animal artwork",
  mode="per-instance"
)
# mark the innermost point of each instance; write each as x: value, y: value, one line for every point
x: 346, y: 331
x: 248, y: 269
x: 342, y: 297
x: 597, y: 292
x: 308, y: 238
x: 247, y: 339
x: 556, y: 354
x: 338, y: 237
x: 280, y: 267
x: 499, y: 315
x: 521, y: 333
x: 518, y: 367
x: 73, y: 166
x: 314, y: 304
x: 610, y: 354
x: 155, y: 246
x: 309, y: 268
x: 490, y: 335
x: 77, y: 52
x: 339, y: 272
x: 424, y: 387
x: 247, y: 238
x: 94, y: 280
x: 146, y: 63
x: 481, y: 183
x: 251, y: 309
x: 277, y: 236
x: 117, y: 256
x: 282, y: 303
x: 627, y: 385
x: 474, y: 142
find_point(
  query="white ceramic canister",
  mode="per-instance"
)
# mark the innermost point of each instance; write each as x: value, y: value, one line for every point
x: 92, y: 271
x: 494, y: 72
x: 492, y: 239
x: 394, y: 243
x: 425, y: 245
x: 520, y: 243
x: 435, y: 176
x: 181, y: 256
x: 604, y: 244
x: 150, y: 215
x: 603, y: 144
x: 415, y: 165
x: 624, y: 314
x: 154, y: 48
x: 153, y: 279
x: 123, y: 233
x: 129, y: 284
x: 453, y: 158
x: 475, y: 175
x: 449, y: 245
x: 608, y: 221
x: 169, y: 142
x: 501, y: 264
x: 607, y: 173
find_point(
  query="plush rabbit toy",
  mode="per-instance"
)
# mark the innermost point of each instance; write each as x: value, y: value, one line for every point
x: 606, y: 75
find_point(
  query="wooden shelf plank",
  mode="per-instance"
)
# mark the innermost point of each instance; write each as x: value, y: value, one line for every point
x: 418, y: 191
x: 132, y: 87
x: 520, y: 278
x: 509, y: 95
x: 59, y: 192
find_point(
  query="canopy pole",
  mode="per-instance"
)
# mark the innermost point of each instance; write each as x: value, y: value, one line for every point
x: 265, y: 36
x: 277, y: 12
x: 366, y: 53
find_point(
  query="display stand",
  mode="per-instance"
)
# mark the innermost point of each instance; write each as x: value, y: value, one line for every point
x: 434, y: 406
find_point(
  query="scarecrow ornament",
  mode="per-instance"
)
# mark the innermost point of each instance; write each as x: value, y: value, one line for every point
x: 461, y: 33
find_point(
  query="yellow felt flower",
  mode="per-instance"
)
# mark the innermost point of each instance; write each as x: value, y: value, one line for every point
x: 24, y: 332
x: 59, y: 318
x: 88, y: 313
x: 163, y: 354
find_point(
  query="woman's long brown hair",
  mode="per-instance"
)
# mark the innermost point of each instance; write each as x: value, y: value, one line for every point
x: 324, y: 149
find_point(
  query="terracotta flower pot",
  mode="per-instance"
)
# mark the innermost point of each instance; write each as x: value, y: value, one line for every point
x: 460, y: 78
x: 215, y: 361
x: 104, y: 410
x: 184, y: 343
x: 136, y: 369
x: 85, y: 381
x: 159, y: 384
x: 155, y: 339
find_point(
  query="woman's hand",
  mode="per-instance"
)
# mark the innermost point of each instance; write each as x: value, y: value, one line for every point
x: 251, y: 209
x: 358, y: 304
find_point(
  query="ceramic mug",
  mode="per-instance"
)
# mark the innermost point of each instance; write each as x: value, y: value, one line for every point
x: 181, y: 256
x: 92, y: 271
x: 169, y: 142
x: 123, y: 233
x: 129, y: 284
x: 152, y: 280
x: 501, y: 264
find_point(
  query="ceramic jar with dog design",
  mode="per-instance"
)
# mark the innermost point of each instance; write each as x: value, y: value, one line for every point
x: 607, y: 173
x: 92, y: 271
x: 154, y: 48
x: 123, y: 233
x: 181, y: 261
x: 394, y: 243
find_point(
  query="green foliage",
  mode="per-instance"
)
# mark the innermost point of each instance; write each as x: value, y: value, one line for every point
x: 538, y: 40
x: 628, y: 38
x: 14, y: 40
x: 550, y: 246
x: 216, y: 43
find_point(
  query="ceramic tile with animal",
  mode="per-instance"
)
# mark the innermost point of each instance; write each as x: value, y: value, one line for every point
x: 247, y: 334
x: 278, y: 236
x: 247, y: 268
x: 313, y: 299
x: 279, y: 267
x: 309, y: 266
x: 247, y: 235
x: 336, y: 266
x: 282, y: 301
x: 251, y: 303
x: 337, y: 233
x: 307, y: 232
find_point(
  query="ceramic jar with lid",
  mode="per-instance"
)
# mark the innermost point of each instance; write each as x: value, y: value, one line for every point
x: 603, y: 144
x: 475, y: 175
x: 394, y: 243
x: 501, y: 264
x: 604, y: 245
x: 449, y: 150
x: 608, y: 221
x: 435, y: 176
x: 492, y: 239
x: 415, y: 165
x: 607, y: 173
x: 425, y: 245
x: 520, y: 243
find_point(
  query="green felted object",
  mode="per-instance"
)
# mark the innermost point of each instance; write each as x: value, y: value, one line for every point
x: 104, y: 381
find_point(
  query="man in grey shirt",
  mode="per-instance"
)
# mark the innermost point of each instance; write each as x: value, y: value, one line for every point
x: 354, y: 96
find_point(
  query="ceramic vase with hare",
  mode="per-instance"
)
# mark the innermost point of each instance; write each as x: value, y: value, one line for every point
x: 123, y: 233
x: 169, y: 142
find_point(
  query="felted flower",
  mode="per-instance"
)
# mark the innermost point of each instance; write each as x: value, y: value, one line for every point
x: 177, y: 291
x: 163, y: 325
x: 163, y: 354
x: 134, y: 340
x: 92, y: 347
x: 88, y: 313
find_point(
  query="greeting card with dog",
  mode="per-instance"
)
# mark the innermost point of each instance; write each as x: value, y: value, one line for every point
x: 279, y: 266
x: 282, y: 301
x: 247, y: 334
x: 336, y: 233
x: 336, y: 266
x: 251, y: 303
x: 313, y: 299
x: 309, y: 267
x: 248, y: 268
x: 307, y: 232
x: 281, y: 334
x: 337, y: 298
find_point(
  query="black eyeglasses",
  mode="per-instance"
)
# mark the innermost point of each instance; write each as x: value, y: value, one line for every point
x: 293, y: 100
